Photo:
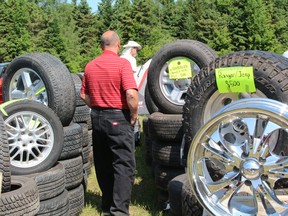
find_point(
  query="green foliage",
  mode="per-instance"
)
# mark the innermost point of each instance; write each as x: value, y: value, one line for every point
x: 71, y: 31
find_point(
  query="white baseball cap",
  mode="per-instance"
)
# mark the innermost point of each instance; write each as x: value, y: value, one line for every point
x: 285, y: 54
x: 133, y: 44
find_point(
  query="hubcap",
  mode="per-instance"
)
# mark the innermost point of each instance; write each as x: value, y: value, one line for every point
x: 251, y: 169
x: 237, y: 162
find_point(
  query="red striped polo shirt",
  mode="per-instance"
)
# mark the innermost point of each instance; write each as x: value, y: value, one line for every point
x: 105, y: 80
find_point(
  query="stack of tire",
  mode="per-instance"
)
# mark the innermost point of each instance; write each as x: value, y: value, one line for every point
x: 164, y: 98
x: 46, y: 143
x: 271, y: 80
x: 203, y: 100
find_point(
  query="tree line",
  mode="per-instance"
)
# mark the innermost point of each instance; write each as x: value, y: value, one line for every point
x: 71, y: 31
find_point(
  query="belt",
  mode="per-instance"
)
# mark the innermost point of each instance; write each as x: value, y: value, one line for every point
x: 107, y: 109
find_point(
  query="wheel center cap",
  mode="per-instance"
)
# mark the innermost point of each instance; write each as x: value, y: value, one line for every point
x: 251, y: 168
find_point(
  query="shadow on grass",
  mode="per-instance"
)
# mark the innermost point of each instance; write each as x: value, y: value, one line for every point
x: 93, y: 200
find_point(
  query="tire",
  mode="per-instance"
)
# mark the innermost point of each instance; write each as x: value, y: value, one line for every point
x: 46, y: 73
x: 73, y: 140
x: 23, y: 199
x: 77, y: 84
x: 73, y: 172
x: 234, y: 133
x: 164, y: 174
x: 50, y: 183
x: 190, y: 205
x: 165, y: 127
x: 76, y: 200
x: 175, y: 194
x: 150, y: 105
x: 161, y: 87
x: 166, y: 154
x: 203, y: 98
x: 82, y: 114
x: 4, y: 158
x: 57, y: 206
x: 38, y: 118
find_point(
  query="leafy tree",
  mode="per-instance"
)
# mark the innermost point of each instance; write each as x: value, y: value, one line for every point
x: 15, y: 38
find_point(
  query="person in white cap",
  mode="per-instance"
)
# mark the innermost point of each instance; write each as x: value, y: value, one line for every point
x: 285, y: 54
x: 130, y: 53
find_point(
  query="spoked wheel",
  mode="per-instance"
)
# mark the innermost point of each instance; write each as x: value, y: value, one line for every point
x: 168, y: 92
x: 35, y: 136
x: 43, y: 78
x: 248, y: 141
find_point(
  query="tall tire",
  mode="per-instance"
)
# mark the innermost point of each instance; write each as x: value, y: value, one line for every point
x: 150, y: 105
x: 161, y: 88
x: 50, y: 183
x: 23, y: 199
x: 166, y: 127
x: 35, y: 136
x: 190, y: 204
x: 4, y: 158
x: 203, y: 98
x: 41, y: 77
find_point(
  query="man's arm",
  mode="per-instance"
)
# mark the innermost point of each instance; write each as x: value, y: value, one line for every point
x: 86, y: 99
x: 132, y: 100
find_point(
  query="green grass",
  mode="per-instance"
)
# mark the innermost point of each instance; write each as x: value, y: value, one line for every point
x: 144, y: 200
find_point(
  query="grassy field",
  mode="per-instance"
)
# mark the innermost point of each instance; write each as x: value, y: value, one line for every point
x: 144, y: 200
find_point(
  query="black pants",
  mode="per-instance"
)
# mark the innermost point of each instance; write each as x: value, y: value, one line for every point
x: 114, y: 159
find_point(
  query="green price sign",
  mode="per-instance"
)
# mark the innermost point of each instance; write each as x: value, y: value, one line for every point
x: 179, y: 68
x: 235, y: 79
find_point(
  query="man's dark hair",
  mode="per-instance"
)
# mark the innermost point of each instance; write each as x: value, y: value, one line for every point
x: 112, y: 39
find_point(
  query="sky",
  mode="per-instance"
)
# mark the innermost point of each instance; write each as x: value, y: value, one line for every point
x: 92, y: 3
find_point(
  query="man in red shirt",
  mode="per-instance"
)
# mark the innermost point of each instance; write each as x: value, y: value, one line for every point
x: 109, y: 88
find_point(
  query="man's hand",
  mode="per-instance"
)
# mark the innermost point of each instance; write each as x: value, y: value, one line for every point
x: 133, y: 119
x: 132, y: 101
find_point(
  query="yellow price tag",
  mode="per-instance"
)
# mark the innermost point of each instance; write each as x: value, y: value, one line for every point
x: 180, y: 68
x: 235, y: 79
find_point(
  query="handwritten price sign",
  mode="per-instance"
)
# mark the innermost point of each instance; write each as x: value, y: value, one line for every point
x: 235, y: 79
x: 180, y: 68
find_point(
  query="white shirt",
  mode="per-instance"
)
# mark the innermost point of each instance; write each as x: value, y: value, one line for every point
x: 132, y: 61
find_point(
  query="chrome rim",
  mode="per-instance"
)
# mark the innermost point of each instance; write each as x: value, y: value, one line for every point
x: 175, y: 91
x: 30, y: 138
x: 26, y: 83
x: 218, y: 101
x: 238, y: 160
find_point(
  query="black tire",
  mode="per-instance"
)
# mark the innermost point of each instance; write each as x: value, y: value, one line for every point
x: 73, y: 140
x: 23, y: 199
x: 4, y: 158
x: 190, y: 204
x: 165, y: 127
x: 85, y: 134
x: 76, y: 200
x: 164, y: 174
x: 77, y: 84
x: 57, y: 206
x: 57, y: 80
x: 196, y: 51
x: 270, y: 76
x: 82, y: 114
x: 50, y: 183
x: 48, y: 124
x: 175, y: 194
x: 73, y: 172
x: 150, y: 105
x: 166, y: 154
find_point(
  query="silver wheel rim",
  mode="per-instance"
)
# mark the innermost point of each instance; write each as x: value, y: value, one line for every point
x: 175, y: 90
x: 26, y: 83
x: 245, y: 143
x: 218, y: 101
x: 30, y: 138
